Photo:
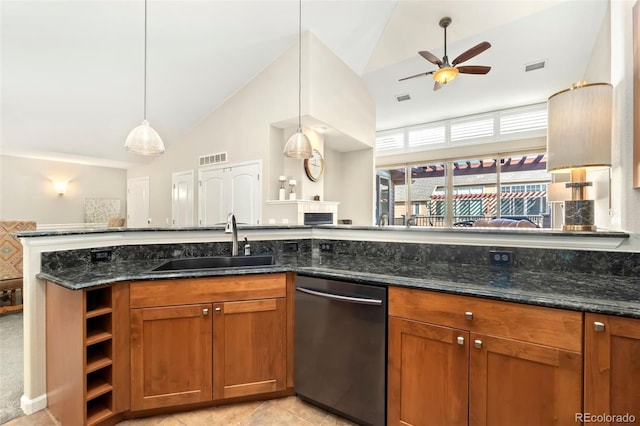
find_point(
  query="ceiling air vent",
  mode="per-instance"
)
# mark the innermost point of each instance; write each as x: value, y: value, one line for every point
x: 402, y: 98
x: 220, y: 157
x: 534, y: 66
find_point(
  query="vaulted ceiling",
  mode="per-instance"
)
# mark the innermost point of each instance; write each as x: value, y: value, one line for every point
x: 72, y: 70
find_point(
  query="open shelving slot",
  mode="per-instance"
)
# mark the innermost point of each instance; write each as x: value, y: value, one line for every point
x: 99, y: 354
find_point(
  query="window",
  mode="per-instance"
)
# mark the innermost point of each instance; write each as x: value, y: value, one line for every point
x: 522, y: 193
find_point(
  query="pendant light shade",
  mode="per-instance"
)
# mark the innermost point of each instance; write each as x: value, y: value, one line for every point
x: 298, y: 145
x: 143, y: 139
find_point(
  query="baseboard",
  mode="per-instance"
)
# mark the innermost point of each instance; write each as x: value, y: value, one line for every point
x: 30, y: 406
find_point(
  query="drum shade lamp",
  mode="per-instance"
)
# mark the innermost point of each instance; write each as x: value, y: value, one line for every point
x: 579, y: 139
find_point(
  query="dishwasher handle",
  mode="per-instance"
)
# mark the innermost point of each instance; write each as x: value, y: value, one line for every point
x: 359, y: 300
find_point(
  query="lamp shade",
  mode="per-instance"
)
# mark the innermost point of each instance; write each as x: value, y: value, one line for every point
x: 579, y: 128
x: 298, y: 146
x: 445, y: 74
x: 144, y: 140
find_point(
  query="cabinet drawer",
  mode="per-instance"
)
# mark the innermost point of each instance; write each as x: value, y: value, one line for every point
x: 535, y: 324
x: 202, y: 290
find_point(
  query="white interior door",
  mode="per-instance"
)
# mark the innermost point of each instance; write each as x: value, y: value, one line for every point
x: 245, y: 193
x: 138, y: 202
x: 182, y: 196
x: 234, y: 188
x: 212, y: 206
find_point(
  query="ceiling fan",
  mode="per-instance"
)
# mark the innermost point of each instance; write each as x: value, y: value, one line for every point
x: 447, y: 72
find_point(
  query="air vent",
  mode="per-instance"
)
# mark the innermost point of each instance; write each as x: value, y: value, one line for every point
x: 534, y: 66
x: 402, y: 98
x: 220, y: 157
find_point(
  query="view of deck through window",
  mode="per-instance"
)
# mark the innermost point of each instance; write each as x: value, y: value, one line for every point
x: 475, y: 195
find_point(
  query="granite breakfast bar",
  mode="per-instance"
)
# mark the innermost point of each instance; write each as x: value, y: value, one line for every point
x: 586, y: 273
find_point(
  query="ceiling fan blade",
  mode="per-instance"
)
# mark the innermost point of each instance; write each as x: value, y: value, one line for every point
x: 473, y: 69
x: 475, y: 50
x: 430, y: 57
x: 417, y: 75
x: 437, y: 86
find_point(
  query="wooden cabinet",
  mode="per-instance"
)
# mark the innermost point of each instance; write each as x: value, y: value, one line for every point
x: 87, y: 353
x: 428, y: 374
x: 215, y: 338
x: 170, y: 355
x: 249, y: 347
x: 612, y: 368
x: 523, y: 363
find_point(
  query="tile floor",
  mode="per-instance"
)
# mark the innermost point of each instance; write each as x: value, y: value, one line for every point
x: 277, y: 412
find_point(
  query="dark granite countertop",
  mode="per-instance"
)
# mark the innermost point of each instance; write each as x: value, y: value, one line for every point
x: 605, y: 294
x: 383, y: 229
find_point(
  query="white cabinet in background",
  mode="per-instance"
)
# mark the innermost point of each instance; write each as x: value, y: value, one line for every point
x: 233, y: 188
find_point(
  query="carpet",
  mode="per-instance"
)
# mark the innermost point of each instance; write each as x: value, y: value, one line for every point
x: 11, y: 366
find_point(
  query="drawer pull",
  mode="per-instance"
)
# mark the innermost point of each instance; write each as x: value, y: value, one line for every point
x: 217, y: 310
x: 460, y: 340
x: 477, y: 343
x: 598, y: 326
x: 205, y: 311
x: 468, y: 315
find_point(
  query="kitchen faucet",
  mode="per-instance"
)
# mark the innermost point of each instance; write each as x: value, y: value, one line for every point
x: 232, y: 228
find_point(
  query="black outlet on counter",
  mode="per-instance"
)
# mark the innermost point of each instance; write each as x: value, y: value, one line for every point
x: 290, y: 247
x: 101, y: 255
x: 326, y: 247
x: 500, y: 258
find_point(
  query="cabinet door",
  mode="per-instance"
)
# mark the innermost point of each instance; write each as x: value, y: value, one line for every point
x: 428, y: 374
x: 612, y: 366
x: 249, y: 340
x: 170, y: 356
x: 518, y: 383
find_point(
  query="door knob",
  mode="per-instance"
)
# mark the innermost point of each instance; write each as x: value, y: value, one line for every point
x: 468, y: 315
x: 205, y: 311
x: 598, y: 326
x: 460, y: 340
x: 218, y: 310
x: 477, y: 343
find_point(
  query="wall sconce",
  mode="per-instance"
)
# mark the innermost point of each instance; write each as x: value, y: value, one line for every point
x: 578, y: 139
x: 60, y: 187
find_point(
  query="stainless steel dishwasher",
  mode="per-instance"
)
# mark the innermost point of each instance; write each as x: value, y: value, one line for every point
x: 340, y: 347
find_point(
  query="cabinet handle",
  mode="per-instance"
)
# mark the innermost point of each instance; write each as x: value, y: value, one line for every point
x: 218, y: 310
x: 477, y: 343
x: 205, y: 311
x: 460, y: 340
x: 598, y: 326
x: 468, y: 315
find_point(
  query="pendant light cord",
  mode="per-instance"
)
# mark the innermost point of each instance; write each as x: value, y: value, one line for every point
x: 144, y: 108
x: 299, y: 64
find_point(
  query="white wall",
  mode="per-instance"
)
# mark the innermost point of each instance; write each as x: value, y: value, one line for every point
x: 247, y: 124
x: 626, y: 200
x: 27, y: 192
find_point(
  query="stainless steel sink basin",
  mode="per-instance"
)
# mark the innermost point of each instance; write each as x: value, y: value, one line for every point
x: 214, y: 263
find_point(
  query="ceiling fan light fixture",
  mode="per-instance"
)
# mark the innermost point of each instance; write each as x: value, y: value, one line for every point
x: 144, y: 140
x: 445, y: 74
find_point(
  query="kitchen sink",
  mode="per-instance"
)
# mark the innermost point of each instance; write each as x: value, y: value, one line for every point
x: 214, y: 263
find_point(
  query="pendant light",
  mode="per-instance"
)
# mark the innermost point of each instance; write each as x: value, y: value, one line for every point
x: 298, y: 145
x: 143, y: 139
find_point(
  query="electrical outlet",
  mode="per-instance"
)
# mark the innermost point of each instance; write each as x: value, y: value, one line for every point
x: 326, y: 247
x: 101, y: 255
x: 500, y: 257
x: 290, y: 247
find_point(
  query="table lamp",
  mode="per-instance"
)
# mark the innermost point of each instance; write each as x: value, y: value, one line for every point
x: 579, y: 139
